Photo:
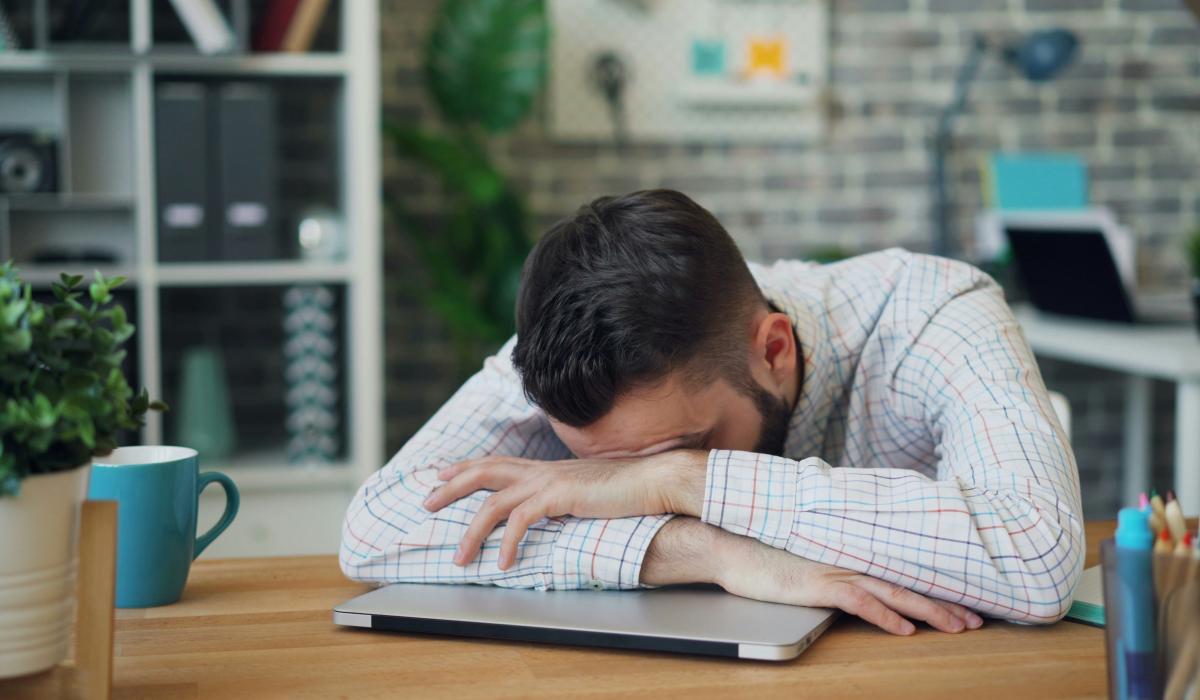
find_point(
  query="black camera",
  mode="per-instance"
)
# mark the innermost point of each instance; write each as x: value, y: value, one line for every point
x: 28, y: 162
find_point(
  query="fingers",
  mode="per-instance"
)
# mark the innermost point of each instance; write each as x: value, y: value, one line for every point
x: 465, y: 478
x: 518, y: 523
x: 972, y: 620
x: 508, y: 477
x: 495, y: 509
x: 860, y: 602
x: 447, y: 473
x: 946, y: 617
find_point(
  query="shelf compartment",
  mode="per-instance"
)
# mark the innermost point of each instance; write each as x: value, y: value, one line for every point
x: 31, y: 102
x: 210, y: 166
x: 64, y: 25
x: 21, y: 20
x: 100, y: 138
x: 71, y: 26
x: 239, y: 336
x: 83, y: 234
x: 245, y: 18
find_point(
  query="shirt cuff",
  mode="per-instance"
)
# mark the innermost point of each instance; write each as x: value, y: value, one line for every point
x: 597, y: 553
x: 751, y: 494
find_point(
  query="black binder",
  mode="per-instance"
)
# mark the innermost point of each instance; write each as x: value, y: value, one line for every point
x: 246, y: 172
x: 181, y: 146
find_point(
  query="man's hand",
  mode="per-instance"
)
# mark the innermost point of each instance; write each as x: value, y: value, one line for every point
x: 686, y: 550
x: 528, y: 490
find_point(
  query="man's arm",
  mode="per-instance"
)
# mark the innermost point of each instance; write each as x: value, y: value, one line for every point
x: 686, y: 550
x: 1000, y: 530
x: 389, y: 536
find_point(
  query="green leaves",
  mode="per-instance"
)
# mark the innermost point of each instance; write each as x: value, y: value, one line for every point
x: 486, y: 60
x: 1192, y: 243
x: 65, y: 397
x: 462, y: 167
x: 485, y: 64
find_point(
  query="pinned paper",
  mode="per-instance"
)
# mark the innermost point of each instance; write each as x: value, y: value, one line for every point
x: 708, y: 56
x: 766, y: 57
x: 1036, y: 181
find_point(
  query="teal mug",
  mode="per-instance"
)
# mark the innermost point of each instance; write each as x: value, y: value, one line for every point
x: 157, y: 490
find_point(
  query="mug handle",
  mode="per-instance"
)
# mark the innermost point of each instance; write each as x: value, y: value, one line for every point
x: 232, y: 500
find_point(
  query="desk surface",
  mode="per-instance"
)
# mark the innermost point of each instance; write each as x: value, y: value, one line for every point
x: 1166, y: 351
x: 261, y: 628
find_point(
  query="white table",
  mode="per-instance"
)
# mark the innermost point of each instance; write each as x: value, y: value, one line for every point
x: 1143, y: 352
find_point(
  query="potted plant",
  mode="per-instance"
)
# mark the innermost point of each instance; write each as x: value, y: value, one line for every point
x: 485, y: 63
x: 1193, y: 256
x: 63, y: 399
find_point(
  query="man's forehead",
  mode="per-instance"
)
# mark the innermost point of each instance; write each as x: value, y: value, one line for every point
x: 647, y: 420
x: 587, y: 441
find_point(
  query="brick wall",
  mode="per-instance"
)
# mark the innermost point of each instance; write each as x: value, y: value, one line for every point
x: 1130, y: 105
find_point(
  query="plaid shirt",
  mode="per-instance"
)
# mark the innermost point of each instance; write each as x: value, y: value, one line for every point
x: 923, y: 451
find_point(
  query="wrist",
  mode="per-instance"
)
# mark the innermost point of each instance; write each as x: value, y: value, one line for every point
x: 682, y: 551
x: 680, y: 477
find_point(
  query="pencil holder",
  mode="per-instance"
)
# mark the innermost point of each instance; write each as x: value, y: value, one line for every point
x: 1179, y: 640
x: 1118, y: 636
x: 1174, y: 629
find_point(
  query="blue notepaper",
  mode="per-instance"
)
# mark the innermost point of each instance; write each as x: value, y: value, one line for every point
x: 708, y: 56
x: 1038, y: 181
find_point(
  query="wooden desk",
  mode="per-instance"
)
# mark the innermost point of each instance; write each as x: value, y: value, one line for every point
x: 260, y: 628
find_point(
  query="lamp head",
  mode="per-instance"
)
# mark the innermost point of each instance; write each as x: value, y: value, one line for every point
x: 1041, y: 55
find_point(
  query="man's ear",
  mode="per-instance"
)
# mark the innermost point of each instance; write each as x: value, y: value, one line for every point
x: 775, y: 344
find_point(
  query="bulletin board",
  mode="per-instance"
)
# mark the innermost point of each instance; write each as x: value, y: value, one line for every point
x: 690, y: 69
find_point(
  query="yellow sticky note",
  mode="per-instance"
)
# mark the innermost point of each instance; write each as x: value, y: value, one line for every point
x: 767, y: 57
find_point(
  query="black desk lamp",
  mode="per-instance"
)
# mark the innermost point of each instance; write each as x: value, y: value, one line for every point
x: 1039, y: 57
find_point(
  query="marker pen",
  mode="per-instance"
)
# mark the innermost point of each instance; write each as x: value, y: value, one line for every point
x: 1136, y: 646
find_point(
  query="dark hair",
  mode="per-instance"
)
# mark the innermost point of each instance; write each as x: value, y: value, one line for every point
x: 625, y: 291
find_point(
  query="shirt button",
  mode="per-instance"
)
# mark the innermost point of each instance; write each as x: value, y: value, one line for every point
x: 595, y: 585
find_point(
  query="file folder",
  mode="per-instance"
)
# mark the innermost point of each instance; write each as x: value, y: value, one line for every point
x: 181, y: 146
x: 246, y: 171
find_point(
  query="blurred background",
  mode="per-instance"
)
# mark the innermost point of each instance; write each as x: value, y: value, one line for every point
x: 231, y: 168
x: 1127, y: 106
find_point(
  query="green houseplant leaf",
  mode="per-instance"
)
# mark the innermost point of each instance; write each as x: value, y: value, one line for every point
x: 461, y: 167
x: 63, y: 396
x: 486, y: 60
x: 485, y: 64
x: 1192, y: 245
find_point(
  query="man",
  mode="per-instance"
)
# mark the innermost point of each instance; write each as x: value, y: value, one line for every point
x: 872, y: 435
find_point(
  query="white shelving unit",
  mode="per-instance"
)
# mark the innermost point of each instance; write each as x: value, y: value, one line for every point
x: 285, y: 509
x: 303, y: 65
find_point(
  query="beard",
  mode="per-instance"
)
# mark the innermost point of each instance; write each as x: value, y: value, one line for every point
x: 776, y: 413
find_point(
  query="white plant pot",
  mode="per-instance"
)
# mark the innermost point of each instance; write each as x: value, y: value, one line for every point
x: 39, y: 545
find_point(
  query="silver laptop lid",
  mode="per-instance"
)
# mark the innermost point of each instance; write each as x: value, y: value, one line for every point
x: 693, y: 614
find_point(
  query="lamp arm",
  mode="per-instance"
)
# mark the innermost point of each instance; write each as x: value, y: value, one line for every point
x: 962, y: 83
x: 940, y: 145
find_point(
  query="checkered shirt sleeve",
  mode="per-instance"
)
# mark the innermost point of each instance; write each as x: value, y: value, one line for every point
x: 388, y: 536
x: 990, y: 517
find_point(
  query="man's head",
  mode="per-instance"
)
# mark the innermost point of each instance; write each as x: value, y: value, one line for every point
x: 640, y: 329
